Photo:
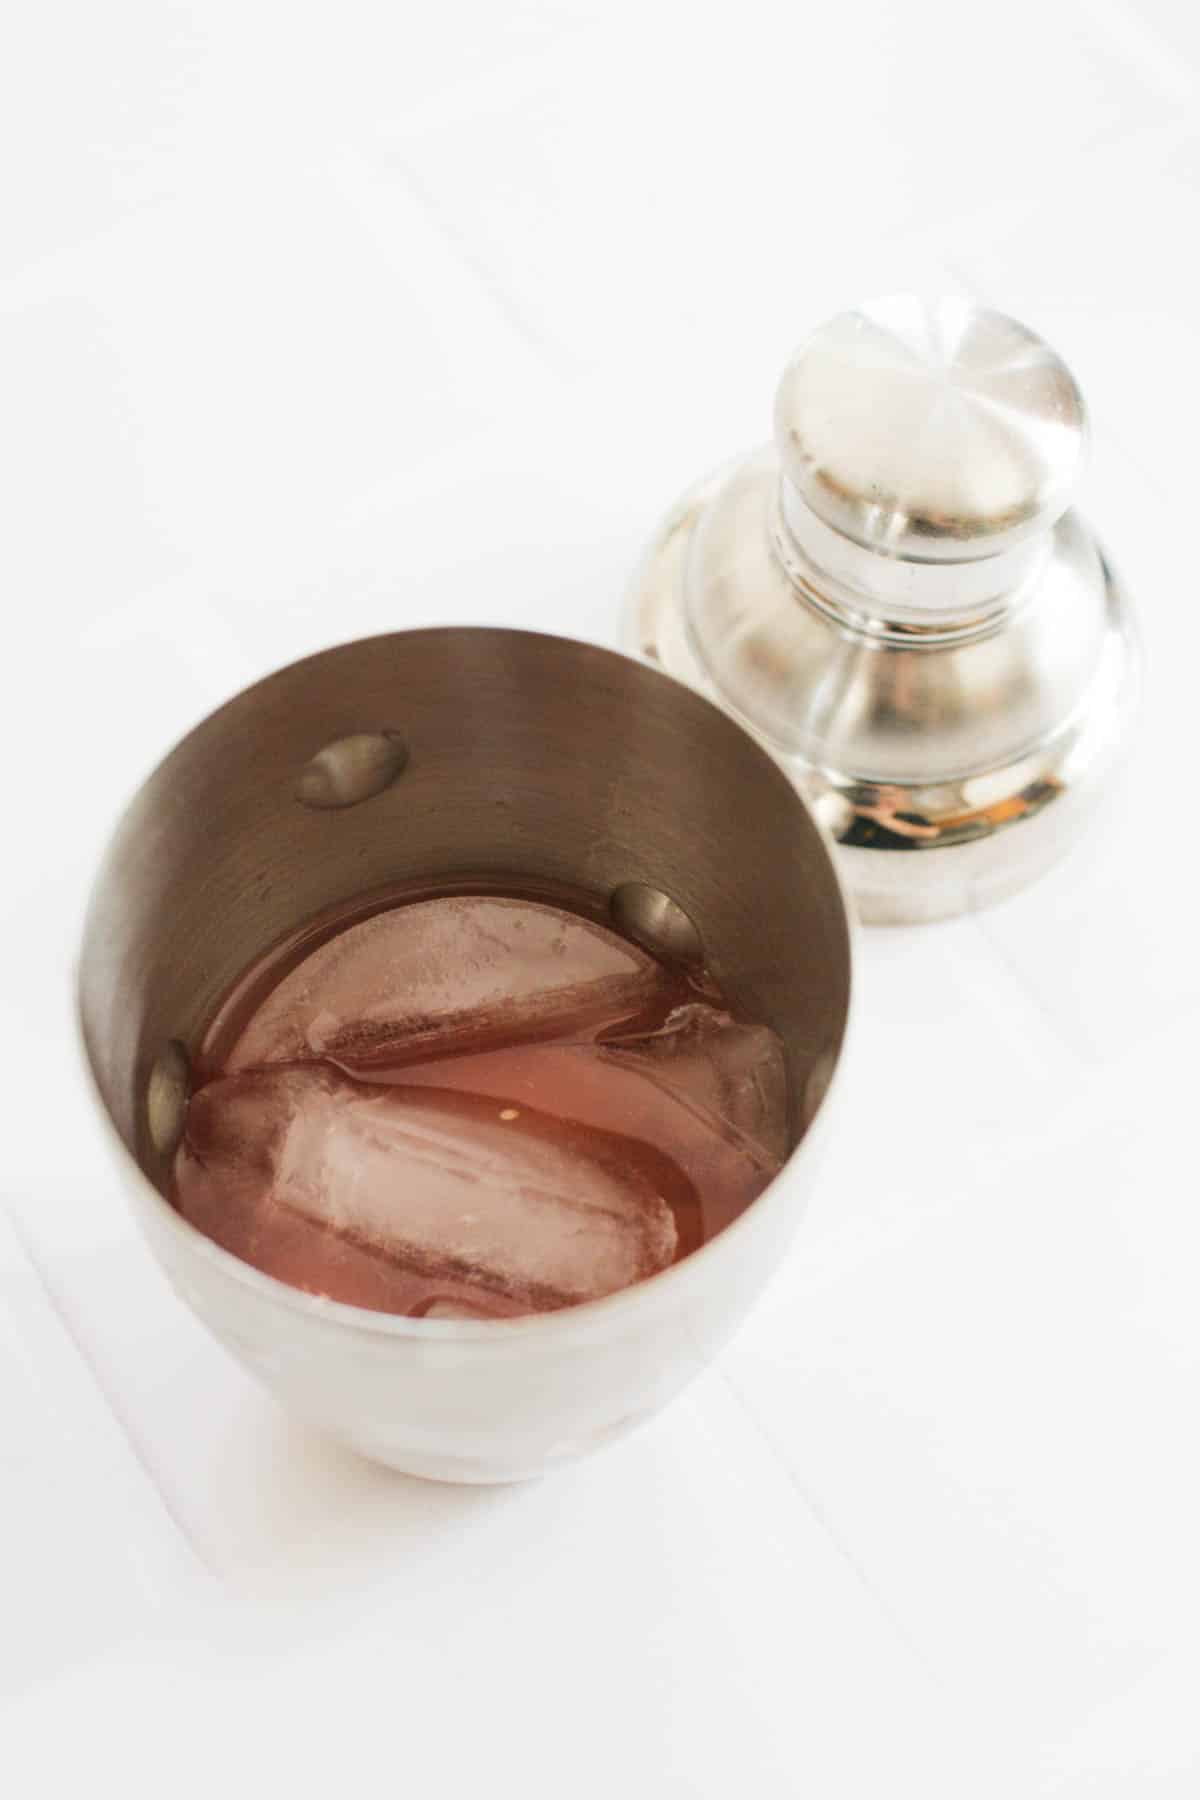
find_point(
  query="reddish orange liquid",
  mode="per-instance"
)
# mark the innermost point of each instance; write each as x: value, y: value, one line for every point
x: 475, y: 1105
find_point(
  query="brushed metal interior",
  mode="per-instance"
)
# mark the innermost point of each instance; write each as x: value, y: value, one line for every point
x: 527, y: 757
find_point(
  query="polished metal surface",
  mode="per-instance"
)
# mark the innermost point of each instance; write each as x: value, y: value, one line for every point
x: 931, y: 429
x: 530, y: 761
x: 167, y: 1094
x: 352, y: 769
x: 897, y: 600
x: 652, y: 919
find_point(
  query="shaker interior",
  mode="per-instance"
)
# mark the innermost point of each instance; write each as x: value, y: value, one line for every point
x: 444, y: 754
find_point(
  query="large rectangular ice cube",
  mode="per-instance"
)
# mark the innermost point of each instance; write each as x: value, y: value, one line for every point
x: 466, y: 971
x: 417, y: 1200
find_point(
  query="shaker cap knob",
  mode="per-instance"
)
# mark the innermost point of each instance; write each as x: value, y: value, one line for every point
x: 930, y: 430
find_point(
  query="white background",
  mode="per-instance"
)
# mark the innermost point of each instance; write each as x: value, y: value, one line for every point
x: 323, y: 321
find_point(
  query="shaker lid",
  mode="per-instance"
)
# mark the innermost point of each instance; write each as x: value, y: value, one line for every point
x: 898, y: 599
x: 933, y: 430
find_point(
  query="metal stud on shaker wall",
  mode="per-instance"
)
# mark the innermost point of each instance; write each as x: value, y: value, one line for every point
x: 897, y: 597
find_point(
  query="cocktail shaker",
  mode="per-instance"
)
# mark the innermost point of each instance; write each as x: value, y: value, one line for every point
x: 897, y: 598
x: 453, y: 757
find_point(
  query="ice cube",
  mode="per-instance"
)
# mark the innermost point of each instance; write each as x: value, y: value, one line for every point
x: 731, y: 1072
x: 400, y: 1198
x: 438, y: 975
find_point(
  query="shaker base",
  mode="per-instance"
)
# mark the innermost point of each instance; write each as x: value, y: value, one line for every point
x: 913, y: 854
